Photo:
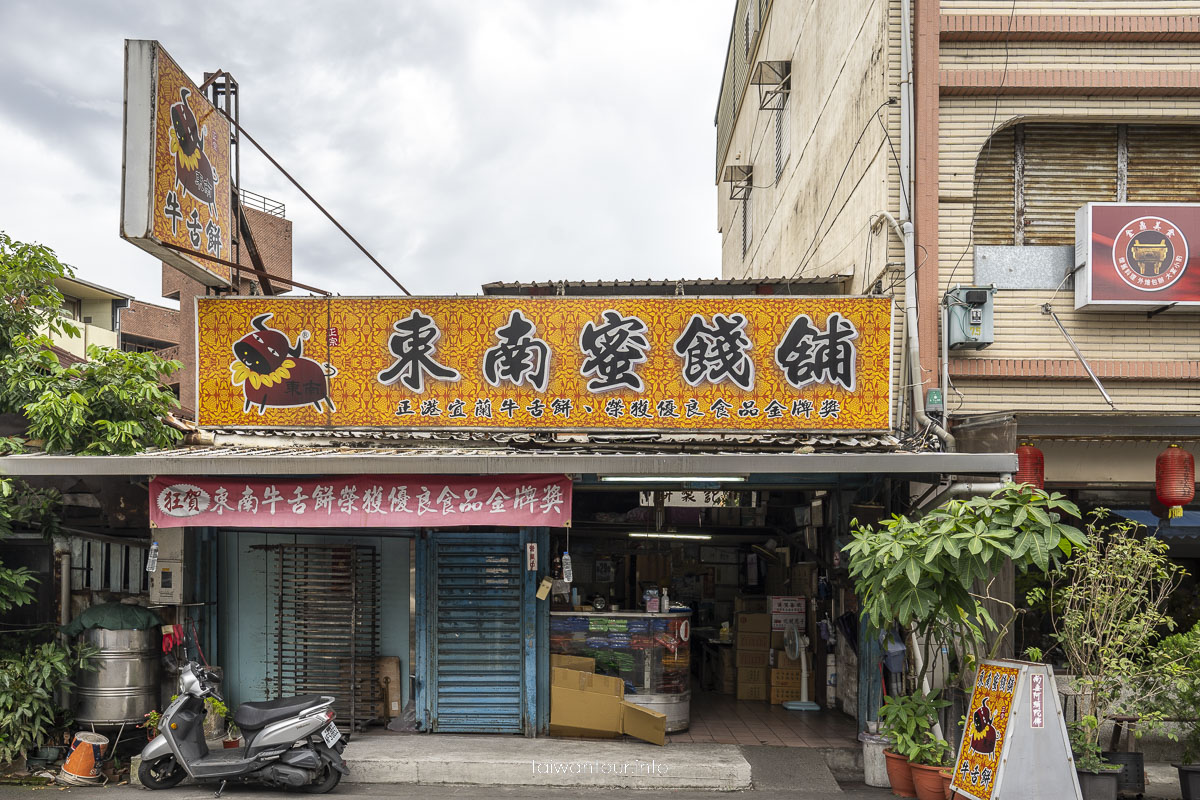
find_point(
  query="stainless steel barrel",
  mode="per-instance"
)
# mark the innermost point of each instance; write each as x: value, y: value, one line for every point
x: 125, y: 687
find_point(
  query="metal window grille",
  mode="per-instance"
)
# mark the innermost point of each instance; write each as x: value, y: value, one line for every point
x: 326, y: 627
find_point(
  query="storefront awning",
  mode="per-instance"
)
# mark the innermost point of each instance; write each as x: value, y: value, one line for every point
x: 344, y: 460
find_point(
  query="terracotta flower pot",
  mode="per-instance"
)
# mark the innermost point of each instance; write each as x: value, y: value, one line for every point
x: 899, y: 774
x: 231, y: 743
x: 947, y: 777
x: 928, y: 782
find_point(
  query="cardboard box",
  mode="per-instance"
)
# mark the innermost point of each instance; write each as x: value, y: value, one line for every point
x: 577, y: 663
x: 587, y: 704
x: 777, y: 579
x: 389, y: 681
x: 725, y: 574
x: 777, y: 642
x: 778, y: 658
x: 752, y: 675
x: 804, y: 578
x: 787, y: 604
x: 752, y: 691
x: 753, y: 623
x: 718, y: 555
x: 752, y: 604
x: 751, y: 658
x: 786, y: 677
x: 753, y: 641
x: 780, y: 622
x: 782, y: 694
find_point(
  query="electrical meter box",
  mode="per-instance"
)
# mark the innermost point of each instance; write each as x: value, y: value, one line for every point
x: 969, y: 316
x: 169, y: 584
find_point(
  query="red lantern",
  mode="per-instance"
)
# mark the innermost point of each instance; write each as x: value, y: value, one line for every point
x: 1175, y: 479
x: 1031, y: 466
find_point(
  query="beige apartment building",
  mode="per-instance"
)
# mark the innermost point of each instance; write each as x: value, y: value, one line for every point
x: 986, y: 125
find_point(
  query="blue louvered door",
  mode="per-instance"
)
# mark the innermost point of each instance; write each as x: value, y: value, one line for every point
x: 478, y: 621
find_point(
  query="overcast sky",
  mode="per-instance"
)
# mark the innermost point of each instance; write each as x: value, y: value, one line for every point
x: 462, y: 141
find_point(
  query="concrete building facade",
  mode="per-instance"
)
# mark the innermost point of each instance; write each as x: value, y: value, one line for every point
x: 1021, y: 112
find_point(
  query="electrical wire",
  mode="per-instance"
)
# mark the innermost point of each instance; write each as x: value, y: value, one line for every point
x: 988, y: 147
x: 809, y: 250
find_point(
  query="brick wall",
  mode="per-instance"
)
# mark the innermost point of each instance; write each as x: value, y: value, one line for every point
x: 149, y: 321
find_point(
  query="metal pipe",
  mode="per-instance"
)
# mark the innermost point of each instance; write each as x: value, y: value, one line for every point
x: 959, y: 489
x: 905, y: 232
x: 906, y: 110
x: 1047, y: 309
x: 64, y: 561
x: 945, y: 382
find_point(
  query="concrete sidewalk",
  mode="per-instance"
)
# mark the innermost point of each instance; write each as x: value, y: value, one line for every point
x: 515, y: 761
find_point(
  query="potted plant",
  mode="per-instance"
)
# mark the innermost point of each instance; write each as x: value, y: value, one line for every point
x: 30, y: 677
x: 1107, y: 604
x: 908, y: 720
x: 232, y: 734
x: 153, y: 719
x: 1177, y: 659
x: 927, y: 766
x: 1098, y: 780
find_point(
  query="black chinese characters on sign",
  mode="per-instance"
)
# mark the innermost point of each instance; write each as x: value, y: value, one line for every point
x: 807, y: 354
x: 518, y: 356
x: 413, y: 345
x: 718, y: 352
x: 612, y: 351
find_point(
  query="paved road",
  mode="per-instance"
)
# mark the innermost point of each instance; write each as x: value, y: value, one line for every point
x: 431, y: 793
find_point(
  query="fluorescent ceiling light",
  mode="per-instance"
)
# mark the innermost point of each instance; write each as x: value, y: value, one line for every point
x: 700, y: 536
x: 672, y: 478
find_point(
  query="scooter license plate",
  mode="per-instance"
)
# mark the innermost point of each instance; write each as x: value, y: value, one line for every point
x: 331, y: 734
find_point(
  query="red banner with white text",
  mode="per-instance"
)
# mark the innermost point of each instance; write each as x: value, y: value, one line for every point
x: 362, y: 501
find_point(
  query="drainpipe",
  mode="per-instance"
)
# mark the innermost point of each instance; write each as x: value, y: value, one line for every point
x: 965, y: 489
x: 905, y: 232
x: 906, y: 109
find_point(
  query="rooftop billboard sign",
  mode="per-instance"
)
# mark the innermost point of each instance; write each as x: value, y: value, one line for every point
x: 739, y: 364
x: 176, y: 183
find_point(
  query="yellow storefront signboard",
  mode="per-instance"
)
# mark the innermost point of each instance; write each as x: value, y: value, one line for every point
x: 177, y: 179
x: 617, y: 363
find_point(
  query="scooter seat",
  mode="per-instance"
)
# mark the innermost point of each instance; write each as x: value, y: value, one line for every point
x: 255, y: 716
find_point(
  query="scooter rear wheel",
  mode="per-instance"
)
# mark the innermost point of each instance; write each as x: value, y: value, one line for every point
x: 161, y: 773
x: 329, y: 778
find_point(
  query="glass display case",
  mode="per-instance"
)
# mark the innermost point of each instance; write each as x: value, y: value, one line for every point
x: 651, y: 653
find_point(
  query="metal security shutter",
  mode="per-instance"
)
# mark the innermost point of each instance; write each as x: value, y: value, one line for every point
x: 477, y: 633
x: 994, y: 191
x: 1164, y: 163
x: 1065, y: 167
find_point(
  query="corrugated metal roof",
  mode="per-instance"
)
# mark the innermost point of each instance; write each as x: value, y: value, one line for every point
x: 685, y: 286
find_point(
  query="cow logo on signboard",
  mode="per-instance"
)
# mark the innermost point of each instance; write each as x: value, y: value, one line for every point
x: 1150, y: 253
x: 193, y: 171
x: 983, y: 732
x: 274, y: 373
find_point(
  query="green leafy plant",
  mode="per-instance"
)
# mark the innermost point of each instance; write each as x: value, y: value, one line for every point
x: 1175, y: 661
x: 30, y: 305
x: 153, y: 720
x: 1107, y: 604
x: 1084, y: 736
x: 923, y: 573
x: 908, y: 720
x: 29, y: 679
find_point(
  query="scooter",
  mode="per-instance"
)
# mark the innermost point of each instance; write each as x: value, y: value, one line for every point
x: 290, y: 743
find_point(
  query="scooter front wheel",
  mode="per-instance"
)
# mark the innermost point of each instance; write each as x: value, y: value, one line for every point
x: 161, y: 773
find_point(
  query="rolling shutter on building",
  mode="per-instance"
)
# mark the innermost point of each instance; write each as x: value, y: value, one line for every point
x: 477, y: 628
x: 994, y: 191
x: 1066, y: 166
x: 1164, y: 163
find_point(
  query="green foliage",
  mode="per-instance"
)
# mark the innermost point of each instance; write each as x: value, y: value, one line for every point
x: 24, y: 506
x: 113, y: 403
x: 908, y: 721
x: 153, y: 720
x: 922, y: 572
x: 1107, y: 602
x: 29, y: 302
x: 29, y: 679
x: 1176, y: 665
x: 1085, y: 745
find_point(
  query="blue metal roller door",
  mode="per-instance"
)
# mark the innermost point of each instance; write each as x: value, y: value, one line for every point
x: 478, y: 633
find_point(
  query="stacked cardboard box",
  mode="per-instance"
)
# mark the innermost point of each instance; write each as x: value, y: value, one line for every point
x: 583, y: 703
x: 726, y: 671
x: 787, y: 684
x: 752, y: 647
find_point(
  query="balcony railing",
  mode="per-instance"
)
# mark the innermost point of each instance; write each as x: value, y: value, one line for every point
x: 260, y: 203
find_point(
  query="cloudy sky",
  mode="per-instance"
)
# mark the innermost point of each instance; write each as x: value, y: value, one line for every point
x: 462, y: 141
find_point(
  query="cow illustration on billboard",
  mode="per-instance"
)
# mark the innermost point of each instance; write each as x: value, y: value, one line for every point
x: 193, y: 171
x: 274, y: 373
x: 983, y: 731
